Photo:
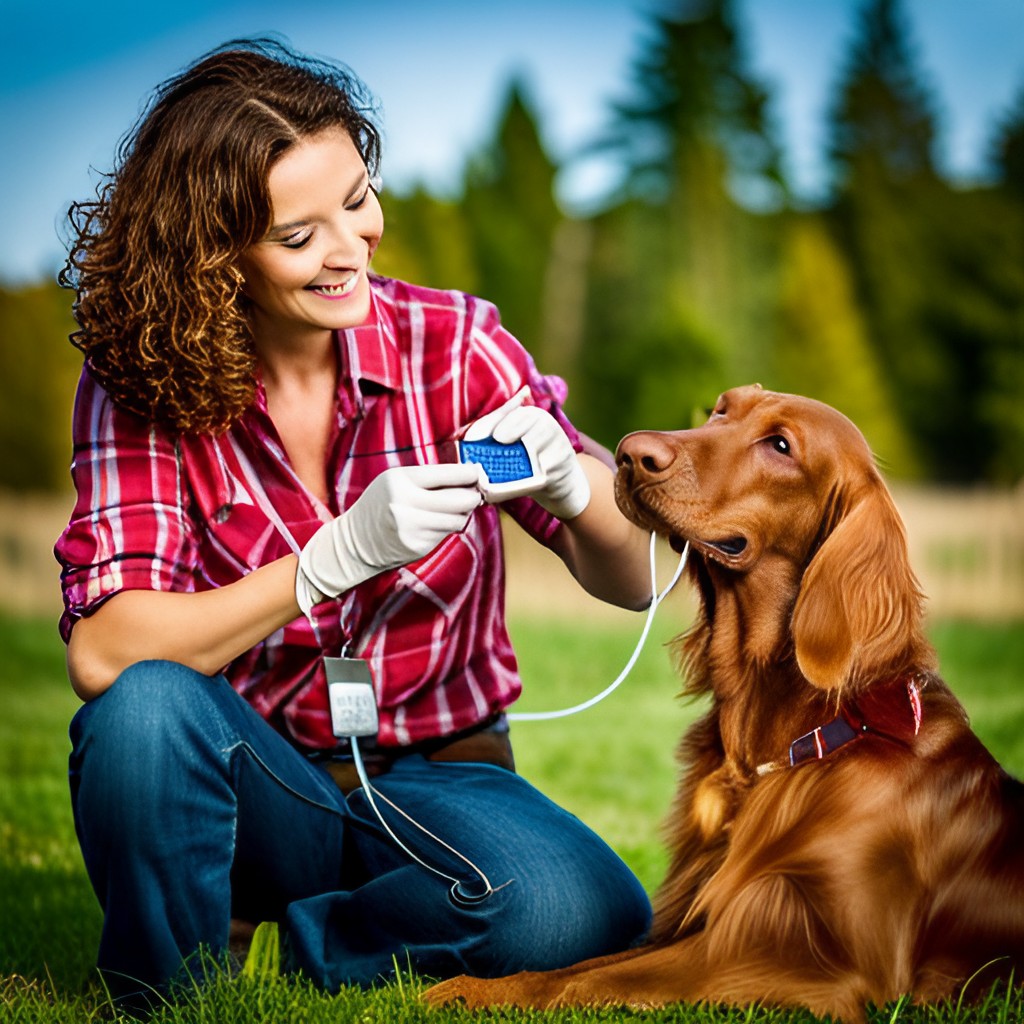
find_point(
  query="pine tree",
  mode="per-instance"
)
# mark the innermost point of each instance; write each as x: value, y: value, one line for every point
x: 890, y: 207
x: 696, y: 139
x: 1008, y: 149
x: 697, y: 114
x: 679, y: 289
x: 512, y: 218
x: 883, y: 126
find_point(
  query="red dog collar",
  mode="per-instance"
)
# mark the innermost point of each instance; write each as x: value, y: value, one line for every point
x: 881, y: 711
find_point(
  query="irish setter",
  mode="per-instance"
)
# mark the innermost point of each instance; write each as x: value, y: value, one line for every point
x: 840, y: 836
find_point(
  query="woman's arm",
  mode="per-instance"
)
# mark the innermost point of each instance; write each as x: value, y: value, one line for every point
x: 607, y: 554
x: 400, y: 517
x: 203, y: 630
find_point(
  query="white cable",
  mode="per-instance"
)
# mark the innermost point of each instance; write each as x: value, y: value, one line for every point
x: 656, y: 599
x: 371, y: 793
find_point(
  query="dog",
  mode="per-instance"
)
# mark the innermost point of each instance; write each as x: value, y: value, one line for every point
x: 839, y: 836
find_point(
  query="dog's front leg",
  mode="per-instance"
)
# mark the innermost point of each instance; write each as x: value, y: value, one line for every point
x: 651, y: 976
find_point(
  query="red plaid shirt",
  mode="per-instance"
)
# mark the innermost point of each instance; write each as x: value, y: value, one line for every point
x: 156, y: 512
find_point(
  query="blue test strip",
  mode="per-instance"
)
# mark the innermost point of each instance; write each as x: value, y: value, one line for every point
x: 502, y: 463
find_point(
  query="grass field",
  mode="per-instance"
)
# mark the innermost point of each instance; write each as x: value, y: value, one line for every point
x: 612, y: 766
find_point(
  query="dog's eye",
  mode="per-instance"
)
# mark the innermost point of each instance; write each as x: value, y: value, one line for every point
x: 780, y: 444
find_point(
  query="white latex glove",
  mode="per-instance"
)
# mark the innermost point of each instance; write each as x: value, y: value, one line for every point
x: 400, y: 517
x: 562, y: 487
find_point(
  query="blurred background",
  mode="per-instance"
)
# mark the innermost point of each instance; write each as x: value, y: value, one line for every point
x: 664, y: 200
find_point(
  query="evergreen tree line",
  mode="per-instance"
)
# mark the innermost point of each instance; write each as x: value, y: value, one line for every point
x: 899, y: 299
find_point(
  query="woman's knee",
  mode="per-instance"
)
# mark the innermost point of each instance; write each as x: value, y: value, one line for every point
x: 547, y: 923
x: 561, y: 893
x: 153, y: 710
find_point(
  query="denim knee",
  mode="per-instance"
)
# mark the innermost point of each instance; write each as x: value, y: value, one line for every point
x: 542, y: 927
x: 145, y: 708
x: 139, y: 738
x: 561, y: 894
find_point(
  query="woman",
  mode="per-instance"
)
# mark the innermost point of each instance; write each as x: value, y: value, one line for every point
x: 266, y: 475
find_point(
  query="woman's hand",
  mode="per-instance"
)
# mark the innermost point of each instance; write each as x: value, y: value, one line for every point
x: 562, y: 487
x: 400, y: 517
x: 606, y: 553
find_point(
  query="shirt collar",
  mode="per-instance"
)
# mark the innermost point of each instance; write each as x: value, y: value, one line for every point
x: 370, y: 351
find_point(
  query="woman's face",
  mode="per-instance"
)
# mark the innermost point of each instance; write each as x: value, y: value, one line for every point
x: 309, y: 273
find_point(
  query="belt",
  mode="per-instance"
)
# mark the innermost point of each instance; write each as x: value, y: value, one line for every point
x: 486, y: 743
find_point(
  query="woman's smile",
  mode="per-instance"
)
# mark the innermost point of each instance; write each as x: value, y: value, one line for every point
x: 336, y: 291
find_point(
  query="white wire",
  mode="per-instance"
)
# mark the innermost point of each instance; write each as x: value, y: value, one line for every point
x: 656, y: 599
x: 371, y: 793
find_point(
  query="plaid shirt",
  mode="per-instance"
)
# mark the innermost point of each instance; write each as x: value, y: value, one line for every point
x: 157, y: 512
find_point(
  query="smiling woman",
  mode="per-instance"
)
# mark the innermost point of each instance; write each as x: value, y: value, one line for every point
x: 148, y: 306
x: 264, y: 459
x: 309, y: 276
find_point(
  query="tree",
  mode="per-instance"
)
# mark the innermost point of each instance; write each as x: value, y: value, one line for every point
x: 648, y: 360
x: 512, y: 218
x: 882, y: 122
x: 697, y: 114
x: 38, y: 372
x: 696, y: 139
x: 822, y: 347
x: 427, y: 240
x: 1008, y: 149
x: 904, y: 231
x: 679, y: 289
x: 1002, y: 291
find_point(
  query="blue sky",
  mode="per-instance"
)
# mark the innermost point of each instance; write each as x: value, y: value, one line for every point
x: 73, y: 77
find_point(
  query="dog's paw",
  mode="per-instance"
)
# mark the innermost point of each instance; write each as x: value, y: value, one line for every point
x: 477, y: 993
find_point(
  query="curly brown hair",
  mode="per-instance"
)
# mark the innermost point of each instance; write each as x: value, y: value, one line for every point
x: 154, y: 258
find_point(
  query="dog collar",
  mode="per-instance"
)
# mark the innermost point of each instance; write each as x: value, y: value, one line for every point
x: 879, y: 711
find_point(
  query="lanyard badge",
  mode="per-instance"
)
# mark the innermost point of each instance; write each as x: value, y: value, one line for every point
x: 352, y: 699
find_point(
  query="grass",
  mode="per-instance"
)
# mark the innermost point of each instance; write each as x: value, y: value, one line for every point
x: 612, y: 766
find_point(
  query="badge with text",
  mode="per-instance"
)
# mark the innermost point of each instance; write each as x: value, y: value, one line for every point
x: 353, y: 702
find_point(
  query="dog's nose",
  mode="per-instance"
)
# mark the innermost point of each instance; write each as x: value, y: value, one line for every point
x: 645, y: 453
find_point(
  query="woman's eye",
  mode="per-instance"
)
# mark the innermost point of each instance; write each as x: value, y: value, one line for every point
x: 780, y: 444
x: 358, y: 202
x: 296, y: 241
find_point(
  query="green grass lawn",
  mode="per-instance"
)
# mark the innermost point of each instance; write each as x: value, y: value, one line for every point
x: 612, y: 766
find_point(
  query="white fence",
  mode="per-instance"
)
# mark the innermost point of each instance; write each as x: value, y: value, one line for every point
x: 967, y: 547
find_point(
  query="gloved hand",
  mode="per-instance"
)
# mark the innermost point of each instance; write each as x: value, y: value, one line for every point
x: 400, y: 517
x: 564, y: 489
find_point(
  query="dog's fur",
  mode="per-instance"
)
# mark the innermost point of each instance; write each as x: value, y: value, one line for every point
x: 893, y: 864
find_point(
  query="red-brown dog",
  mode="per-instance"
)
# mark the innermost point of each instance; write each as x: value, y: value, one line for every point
x: 840, y: 836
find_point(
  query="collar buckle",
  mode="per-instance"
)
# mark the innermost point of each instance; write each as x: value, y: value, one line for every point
x: 822, y: 740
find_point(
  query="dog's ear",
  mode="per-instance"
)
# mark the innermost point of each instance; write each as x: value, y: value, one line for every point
x: 858, y: 613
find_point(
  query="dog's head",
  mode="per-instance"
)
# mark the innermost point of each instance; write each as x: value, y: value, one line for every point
x: 780, y: 494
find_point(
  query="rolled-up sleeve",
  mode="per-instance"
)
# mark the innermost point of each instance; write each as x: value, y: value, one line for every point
x: 129, y: 529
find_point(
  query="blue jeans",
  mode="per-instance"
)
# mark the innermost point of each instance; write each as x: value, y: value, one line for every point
x: 190, y: 809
